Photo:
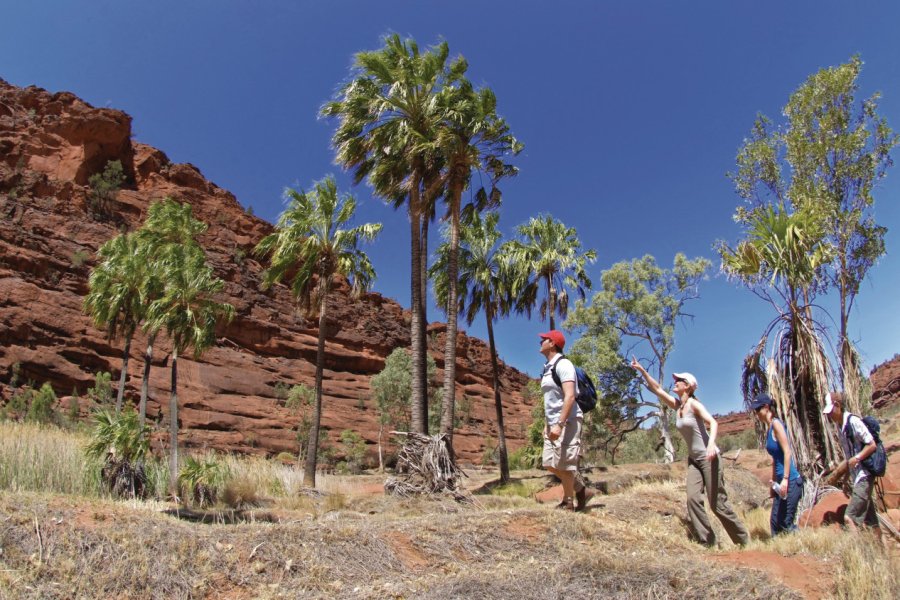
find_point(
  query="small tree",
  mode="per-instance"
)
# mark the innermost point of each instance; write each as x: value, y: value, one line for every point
x: 103, y: 186
x: 300, y: 400
x: 121, y: 443
x: 639, y: 305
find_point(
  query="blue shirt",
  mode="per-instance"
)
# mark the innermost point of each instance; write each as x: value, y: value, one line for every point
x: 774, y: 449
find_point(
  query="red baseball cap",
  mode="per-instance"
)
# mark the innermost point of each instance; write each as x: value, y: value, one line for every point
x: 555, y: 336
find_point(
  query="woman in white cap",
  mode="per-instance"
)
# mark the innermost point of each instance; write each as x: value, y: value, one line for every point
x: 787, y: 483
x: 705, y: 479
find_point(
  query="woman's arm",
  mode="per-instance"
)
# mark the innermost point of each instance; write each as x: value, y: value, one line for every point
x: 781, y: 437
x: 711, y: 424
x: 653, y: 385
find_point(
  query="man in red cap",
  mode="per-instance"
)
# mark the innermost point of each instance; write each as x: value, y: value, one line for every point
x: 563, y: 420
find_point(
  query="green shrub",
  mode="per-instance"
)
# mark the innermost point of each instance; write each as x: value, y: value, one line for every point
x: 101, y: 393
x: 744, y: 439
x: 202, y: 479
x: 121, y: 444
x: 103, y: 186
x: 354, y: 451
x: 41, y: 408
x: 79, y: 257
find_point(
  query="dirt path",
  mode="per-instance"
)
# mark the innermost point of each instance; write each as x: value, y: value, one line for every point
x: 808, y: 575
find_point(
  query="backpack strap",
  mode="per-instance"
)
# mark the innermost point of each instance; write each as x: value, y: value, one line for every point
x: 553, y: 371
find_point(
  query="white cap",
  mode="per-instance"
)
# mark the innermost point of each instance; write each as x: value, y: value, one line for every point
x: 687, y: 377
x: 829, y: 405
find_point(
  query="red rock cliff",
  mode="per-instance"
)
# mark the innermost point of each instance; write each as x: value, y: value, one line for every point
x: 50, y: 144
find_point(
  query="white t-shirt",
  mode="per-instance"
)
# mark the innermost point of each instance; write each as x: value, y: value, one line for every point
x: 860, y: 433
x: 553, y: 394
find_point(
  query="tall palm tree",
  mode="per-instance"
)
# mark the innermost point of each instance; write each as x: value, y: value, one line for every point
x: 187, y: 308
x: 117, y: 294
x: 485, y: 284
x: 548, y: 256
x: 782, y: 260
x: 387, y: 119
x: 169, y: 226
x: 310, y: 247
x: 471, y: 137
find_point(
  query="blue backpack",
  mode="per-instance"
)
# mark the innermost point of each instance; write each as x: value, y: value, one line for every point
x: 876, y: 463
x: 587, y: 393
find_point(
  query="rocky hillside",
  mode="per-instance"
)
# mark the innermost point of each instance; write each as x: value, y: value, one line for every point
x: 885, y: 380
x: 50, y: 145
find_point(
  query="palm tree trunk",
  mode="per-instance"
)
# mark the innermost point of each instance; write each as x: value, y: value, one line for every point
x: 418, y: 396
x: 173, y: 427
x: 498, y: 403
x: 380, y: 453
x: 312, y: 452
x: 124, y: 374
x: 145, y: 383
x: 423, y: 322
x: 448, y: 402
x: 551, y: 301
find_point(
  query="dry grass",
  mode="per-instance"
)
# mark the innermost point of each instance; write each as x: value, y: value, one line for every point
x: 340, y: 542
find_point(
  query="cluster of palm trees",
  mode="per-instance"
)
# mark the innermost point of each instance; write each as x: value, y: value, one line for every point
x: 412, y: 125
x: 157, y: 279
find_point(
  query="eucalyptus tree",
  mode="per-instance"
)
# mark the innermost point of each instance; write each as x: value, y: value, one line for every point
x: 548, y: 255
x: 118, y: 291
x: 825, y: 161
x: 471, y: 138
x: 636, y: 310
x: 387, y: 117
x: 187, y: 308
x: 311, y: 248
x: 782, y: 259
x: 485, y: 280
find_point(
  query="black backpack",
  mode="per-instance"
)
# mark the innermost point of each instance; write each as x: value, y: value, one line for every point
x: 587, y: 393
x: 876, y: 463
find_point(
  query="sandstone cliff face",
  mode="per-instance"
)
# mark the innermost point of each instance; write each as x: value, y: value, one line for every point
x: 50, y: 144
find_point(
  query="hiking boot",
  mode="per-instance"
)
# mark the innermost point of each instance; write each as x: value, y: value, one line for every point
x: 581, y: 498
x: 566, y: 504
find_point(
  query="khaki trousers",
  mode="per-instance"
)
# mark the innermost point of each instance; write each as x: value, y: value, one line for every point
x: 705, y: 480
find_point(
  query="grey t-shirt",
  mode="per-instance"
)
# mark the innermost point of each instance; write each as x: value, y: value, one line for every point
x: 553, y: 394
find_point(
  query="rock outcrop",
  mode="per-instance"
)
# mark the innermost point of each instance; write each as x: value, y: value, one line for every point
x: 50, y: 145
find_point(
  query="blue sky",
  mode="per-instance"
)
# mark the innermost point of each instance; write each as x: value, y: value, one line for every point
x: 631, y: 114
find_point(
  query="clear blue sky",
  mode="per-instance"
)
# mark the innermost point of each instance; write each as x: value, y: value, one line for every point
x: 631, y: 113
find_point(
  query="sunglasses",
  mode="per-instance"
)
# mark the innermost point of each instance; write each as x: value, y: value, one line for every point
x: 677, y: 379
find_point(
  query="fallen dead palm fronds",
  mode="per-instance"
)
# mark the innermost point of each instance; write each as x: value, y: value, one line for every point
x: 424, y: 467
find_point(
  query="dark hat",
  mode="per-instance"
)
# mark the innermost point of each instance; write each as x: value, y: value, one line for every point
x: 761, y: 400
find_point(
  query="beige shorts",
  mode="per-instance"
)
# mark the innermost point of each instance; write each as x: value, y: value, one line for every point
x: 564, y: 452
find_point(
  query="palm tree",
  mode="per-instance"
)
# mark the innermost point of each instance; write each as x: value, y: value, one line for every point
x: 387, y: 120
x: 782, y: 260
x: 187, y: 308
x: 310, y: 248
x: 169, y: 225
x: 548, y: 255
x: 485, y: 283
x: 471, y: 137
x: 117, y: 295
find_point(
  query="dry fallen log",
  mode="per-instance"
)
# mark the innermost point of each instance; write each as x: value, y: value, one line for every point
x: 424, y: 467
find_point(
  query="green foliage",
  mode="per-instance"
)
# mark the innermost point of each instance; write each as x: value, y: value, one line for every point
x: 548, y: 262
x: 490, y: 453
x: 746, y: 439
x: 300, y: 399
x: 354, y: 447
x: 636, y: 310
x: 14, y: 372
x: 282, y: 390
x: 391, y: 390
x: 103, y: 186
x: 120, y: 435
x: 41, y: 408
x: 74, y: 410
x: 203, y: 479
x: 79, y: 257
x: 529, y: 455
x: 101, y: 393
